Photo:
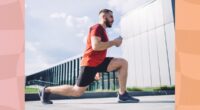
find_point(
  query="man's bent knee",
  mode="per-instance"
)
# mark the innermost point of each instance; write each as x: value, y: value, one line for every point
x: 78, y: 91
x: 124, y: 62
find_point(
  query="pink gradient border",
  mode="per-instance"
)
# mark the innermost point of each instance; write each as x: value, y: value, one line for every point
x: 12, y: 54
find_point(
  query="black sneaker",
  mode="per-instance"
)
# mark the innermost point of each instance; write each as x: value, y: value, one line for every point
x: 126, y: 98
x: 44, y: 97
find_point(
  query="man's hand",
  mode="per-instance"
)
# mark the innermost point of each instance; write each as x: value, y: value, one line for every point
x: 98, y: 76
x: 118, y: 41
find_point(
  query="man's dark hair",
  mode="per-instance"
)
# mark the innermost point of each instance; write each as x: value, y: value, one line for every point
x: 105, y: 11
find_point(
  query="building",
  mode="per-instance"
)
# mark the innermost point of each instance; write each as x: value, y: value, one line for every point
x: 149, y: 43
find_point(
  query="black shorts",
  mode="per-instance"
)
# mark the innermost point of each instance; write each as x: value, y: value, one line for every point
x: 87, y: 74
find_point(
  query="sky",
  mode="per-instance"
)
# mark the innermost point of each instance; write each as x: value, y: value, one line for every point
x: 56, y: 30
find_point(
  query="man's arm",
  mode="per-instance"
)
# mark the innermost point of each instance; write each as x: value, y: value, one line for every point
x: 98, y: 45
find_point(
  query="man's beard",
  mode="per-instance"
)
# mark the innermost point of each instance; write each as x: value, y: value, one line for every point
x: 108, y: 24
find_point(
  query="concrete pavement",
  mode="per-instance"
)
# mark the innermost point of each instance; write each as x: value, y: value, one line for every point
x: 163, y: 102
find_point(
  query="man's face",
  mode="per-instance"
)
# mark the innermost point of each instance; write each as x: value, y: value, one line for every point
x: 109, y: 19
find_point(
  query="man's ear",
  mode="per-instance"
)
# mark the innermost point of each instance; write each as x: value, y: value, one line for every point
x: 104, y: 16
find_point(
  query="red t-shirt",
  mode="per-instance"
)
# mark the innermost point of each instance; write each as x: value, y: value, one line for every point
x: 91, y: 57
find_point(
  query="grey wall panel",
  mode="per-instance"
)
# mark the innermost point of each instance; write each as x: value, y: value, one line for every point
x: 164, y: 67
x: 143, y: 20
x: 150, y: 17
x: 167, y: 11
x: 153, y: 54
x: 130, y: 53
x: 145, y: 60
x: 158, y: 13
x: 170, y: 37
x: 140, y: 76
x: 148, y: 44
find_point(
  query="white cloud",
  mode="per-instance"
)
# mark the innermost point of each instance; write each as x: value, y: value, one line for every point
x: 37, y: 60
x: 78, y: 22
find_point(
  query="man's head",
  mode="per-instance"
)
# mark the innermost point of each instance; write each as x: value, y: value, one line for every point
x: 106, y: 16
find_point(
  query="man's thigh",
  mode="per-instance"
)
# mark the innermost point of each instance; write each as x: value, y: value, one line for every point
x: 80, y: 89
x: 86, y: 76
x: 115, y: 64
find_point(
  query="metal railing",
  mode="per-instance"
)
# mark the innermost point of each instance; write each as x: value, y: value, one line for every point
x: 67, y: 72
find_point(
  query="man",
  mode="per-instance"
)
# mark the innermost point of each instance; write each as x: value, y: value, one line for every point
x: 94, y: 60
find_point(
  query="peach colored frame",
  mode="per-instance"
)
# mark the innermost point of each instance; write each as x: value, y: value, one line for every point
x: 187, y: 55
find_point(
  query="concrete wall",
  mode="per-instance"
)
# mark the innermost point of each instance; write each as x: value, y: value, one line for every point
x: 149, y: 44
